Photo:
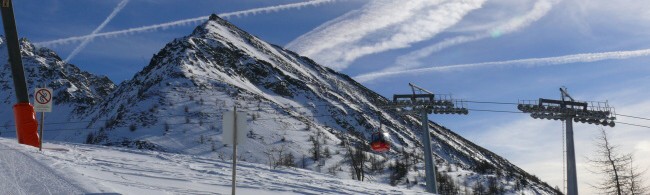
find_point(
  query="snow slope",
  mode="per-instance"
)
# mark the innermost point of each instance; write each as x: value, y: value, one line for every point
x: 67, y: 168
x: 21, y: 173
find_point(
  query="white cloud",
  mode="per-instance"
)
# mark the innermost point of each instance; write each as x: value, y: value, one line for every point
x: 623, y: 10
x: 356, y: 25
x: 414, y: 59
x: 529, y: 62
x: 85, y: 42
x: 643, y: 146
x: 595, y: 18
x: 380, y: 26
x: 185, y: 22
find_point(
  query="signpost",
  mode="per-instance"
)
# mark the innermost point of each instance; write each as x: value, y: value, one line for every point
x: 42, y: 104
x: 43, y: 100
x: 234, y: 127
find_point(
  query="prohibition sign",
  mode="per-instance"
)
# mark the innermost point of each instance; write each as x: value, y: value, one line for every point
x: 43, y: 96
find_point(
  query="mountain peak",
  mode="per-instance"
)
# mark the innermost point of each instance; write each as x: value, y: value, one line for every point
x: 221, y: 21
x: 214, y: 17
x: 219, y: 27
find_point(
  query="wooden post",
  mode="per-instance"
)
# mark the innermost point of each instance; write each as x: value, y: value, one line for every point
x: 40, y: 133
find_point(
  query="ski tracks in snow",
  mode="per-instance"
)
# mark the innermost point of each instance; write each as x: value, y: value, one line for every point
x: 127, y: 171
x: 22, y: 174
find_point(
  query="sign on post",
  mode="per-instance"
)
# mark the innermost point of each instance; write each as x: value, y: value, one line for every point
x: 229, y: 127
x: 42, y: 103
x: 234, y: 127
x: 43, y: 100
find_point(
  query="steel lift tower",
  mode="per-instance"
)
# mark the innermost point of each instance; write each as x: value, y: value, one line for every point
x: 423, y: 103
x: 569, y: 110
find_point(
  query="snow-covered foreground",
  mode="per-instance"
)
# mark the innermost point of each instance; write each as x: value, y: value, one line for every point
x: 66, y: 168
x: 21, y: 173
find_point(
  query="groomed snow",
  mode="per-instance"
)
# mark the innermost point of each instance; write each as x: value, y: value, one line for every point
x: 66, y: 168
x: 21, y: 173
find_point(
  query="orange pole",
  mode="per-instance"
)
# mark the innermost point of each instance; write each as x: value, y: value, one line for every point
x: 26, y: 124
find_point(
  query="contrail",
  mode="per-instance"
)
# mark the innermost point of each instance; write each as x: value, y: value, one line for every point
x: 412, y: 60
x: 380, y: 26
x: 85, y: 42
x: 530, y: 62
x: 356, y: 25
x: 185, y: 22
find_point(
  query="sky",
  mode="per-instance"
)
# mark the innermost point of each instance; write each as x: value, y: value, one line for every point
x: 478, y: 50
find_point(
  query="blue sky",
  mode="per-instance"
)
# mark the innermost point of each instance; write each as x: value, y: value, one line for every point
x: 482, y: 50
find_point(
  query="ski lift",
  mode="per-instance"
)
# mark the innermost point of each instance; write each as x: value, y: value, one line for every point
x: 379, y: 141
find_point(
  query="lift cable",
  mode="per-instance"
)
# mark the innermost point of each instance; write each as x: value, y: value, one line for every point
x: 500, y: 111
x: 633, y: 125
x: 636, y: 117
x: 483, y: 102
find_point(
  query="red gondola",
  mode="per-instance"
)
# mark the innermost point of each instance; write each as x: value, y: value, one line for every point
x: 379, y: 142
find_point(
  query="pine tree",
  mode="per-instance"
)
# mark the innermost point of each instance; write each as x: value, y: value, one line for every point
x: 446, y: 184
x: 479, y: 189
x: 357, y: 163
x: 327, y: 153
x: 376, y: 164
x: 493, y: 186
x: 613, y: 165
x: 398, y: 171
x: 289, y: 160
x: 316, y: 150
x: 637, y: 184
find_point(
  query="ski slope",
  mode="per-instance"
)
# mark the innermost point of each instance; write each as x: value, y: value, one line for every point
x: 67, y: 168
x: 20, y: 173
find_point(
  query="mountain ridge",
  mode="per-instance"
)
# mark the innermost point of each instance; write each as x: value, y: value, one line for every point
x: 175, y: 102
x: 75, y: 91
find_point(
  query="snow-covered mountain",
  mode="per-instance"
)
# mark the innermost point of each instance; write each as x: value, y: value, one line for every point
x: 75, y: 91
x: 297, y: 110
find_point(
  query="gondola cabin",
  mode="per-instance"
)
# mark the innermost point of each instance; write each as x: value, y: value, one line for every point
x: 379, y: 142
